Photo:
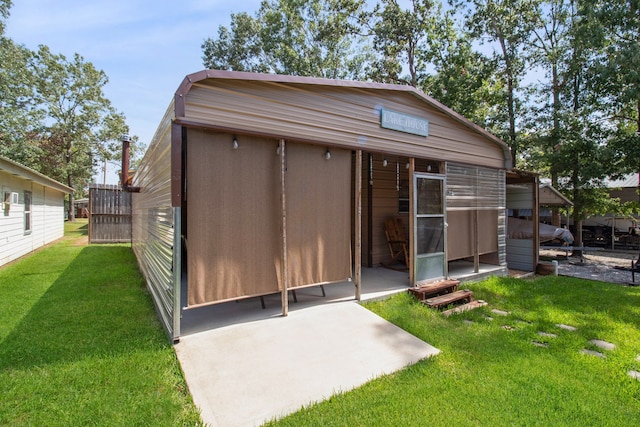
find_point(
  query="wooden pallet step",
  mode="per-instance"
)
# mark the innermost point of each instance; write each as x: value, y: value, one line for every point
x: 446, y: 299
x: 426, y: 290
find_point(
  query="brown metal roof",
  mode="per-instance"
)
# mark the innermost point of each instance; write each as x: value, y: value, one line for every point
x: 199, y: 76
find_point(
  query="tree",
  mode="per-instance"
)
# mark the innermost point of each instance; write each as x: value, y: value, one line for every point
x: 18, y: 120
x: 615, y: 26
x: 571, y: 136
x: 238, y: 49
x: 5, y: 6
x: 295, y: 37
x: 462, y: 78
x: 399, y: 35
x: 80, y: 120
x: 506, y: 25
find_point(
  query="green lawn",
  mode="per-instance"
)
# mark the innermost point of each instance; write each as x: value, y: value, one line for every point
x: 491, y: 374
x: 80, y: 343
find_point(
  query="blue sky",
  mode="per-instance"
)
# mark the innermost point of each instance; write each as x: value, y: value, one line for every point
x: 146, y: 47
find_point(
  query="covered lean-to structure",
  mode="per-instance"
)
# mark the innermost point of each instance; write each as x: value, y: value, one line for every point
x: 257, y: 184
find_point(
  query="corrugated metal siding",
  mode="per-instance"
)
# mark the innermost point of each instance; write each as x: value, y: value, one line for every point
x: 520, y: 196
x: 154, y: 222
x: 502, y: 218
x: 474, y: 188
x: 520, y: 256
x: 520, y: 252
x: 348, y: 117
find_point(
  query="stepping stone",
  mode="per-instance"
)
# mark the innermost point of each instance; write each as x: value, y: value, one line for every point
x: 468, y: 322
x: 603, y: 344
x: 539, y: 344
x: 488, y: 317
x: 500, y: 312
x: 547, y: 334
x: 508, y: 328
x: 634, y: 374
x: 593, y: 353
x: 566, y: 327
x: 526, y: 322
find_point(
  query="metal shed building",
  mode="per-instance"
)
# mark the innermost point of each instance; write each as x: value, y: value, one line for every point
x: 257, y: 184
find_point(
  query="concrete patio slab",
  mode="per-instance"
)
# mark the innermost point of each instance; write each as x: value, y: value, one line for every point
x: 247, y: 373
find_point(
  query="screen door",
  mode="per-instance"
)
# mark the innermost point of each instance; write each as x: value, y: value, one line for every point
x: 429, y: 227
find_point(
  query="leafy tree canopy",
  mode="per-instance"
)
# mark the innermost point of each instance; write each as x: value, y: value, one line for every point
x: 303, y: 38
x: 54, y: 116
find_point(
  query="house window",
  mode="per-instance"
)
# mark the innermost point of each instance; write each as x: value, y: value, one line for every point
x: 27, y: 211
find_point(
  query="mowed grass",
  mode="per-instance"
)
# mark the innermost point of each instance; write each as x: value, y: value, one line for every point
x: 490, y: 373
x: 80, y: 343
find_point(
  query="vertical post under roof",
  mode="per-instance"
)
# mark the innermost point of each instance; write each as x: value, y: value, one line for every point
x: 285, y: 264
x: 412, y: 222
x: 358, y: 226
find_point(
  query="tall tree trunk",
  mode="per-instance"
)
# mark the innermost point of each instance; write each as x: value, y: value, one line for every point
x: 511, y: 110
x: 577, y: 217
x: 72, y: 213
x: 556, y: 220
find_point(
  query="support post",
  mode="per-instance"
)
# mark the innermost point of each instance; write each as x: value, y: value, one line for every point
x: 358, y: 226
x: 285, y: 265
x: 412, y: 222
x: 476, y: 242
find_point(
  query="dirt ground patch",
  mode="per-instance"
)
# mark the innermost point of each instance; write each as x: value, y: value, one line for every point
x: 606, y: 265
x: 80, y: 241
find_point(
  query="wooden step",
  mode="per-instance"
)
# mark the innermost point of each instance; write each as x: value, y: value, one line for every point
x: 446, y: 299
x: 464, y: 307
x: 426, y: 290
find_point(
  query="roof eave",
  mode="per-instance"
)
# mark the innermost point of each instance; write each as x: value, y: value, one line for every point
x: 17, y: 169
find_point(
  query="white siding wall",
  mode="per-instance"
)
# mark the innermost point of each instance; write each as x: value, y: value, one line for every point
x: 47, y: 218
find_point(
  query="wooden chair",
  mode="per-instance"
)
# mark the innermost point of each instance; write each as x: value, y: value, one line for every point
x: 396, y: 241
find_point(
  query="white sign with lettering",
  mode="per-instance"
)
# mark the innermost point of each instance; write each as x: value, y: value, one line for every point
x: 404, y: 122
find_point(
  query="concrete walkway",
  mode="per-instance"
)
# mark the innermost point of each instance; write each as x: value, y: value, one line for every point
x: 247, y: 373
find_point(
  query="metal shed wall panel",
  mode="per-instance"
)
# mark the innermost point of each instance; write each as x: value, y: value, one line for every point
x: 475, y: 195
x: 519, y: 255
x: 343, y: 116
x: 153, y: 226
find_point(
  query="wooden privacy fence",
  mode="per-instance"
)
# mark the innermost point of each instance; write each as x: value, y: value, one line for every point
x: 109, y: 214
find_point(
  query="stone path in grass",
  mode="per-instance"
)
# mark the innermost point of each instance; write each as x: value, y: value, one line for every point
x: 602, y: 345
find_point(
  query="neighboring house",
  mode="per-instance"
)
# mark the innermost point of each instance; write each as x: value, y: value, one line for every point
x: 256, y: 184
x: 31, y: 210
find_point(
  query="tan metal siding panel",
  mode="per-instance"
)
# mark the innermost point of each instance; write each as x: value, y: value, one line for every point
x: 153, y: 225
x: 337, y: 116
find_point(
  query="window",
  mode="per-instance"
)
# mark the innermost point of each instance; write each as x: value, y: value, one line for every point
x: 27, y: 211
